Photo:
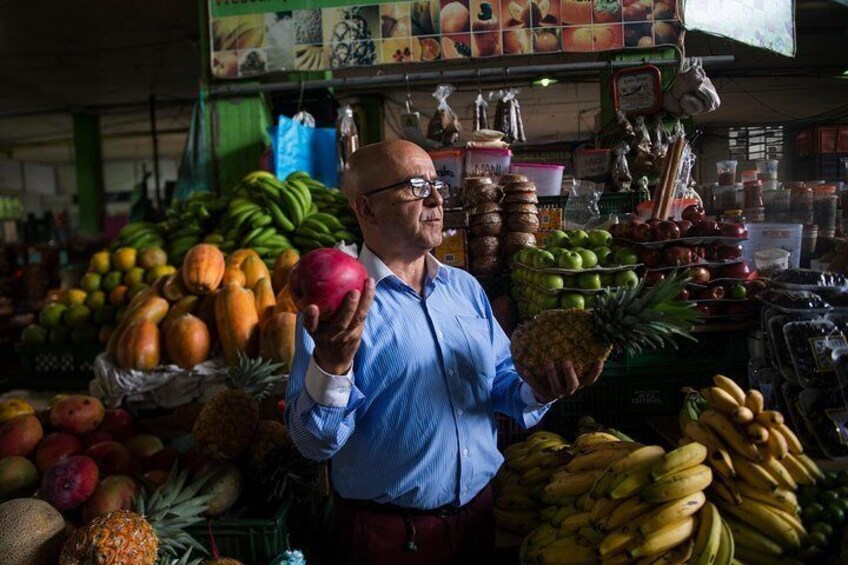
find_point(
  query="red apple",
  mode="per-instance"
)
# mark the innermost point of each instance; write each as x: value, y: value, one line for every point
x: 630, y: 227
x: 616, y: 230
x: 650, y: 257
x: 677, y: 255
x: 699, y: 275
x: 684, y: 294
x: 715, y: 292
x: 663, y: 231
x: 704, y: 309
x: 736, y: 271
x: 654, y: 222
x: 694, y: 213
x: 755, y: 286
x: 653, y: 277
x: 729, y: 252
x: 684, y: 226
x: 707, y: 228
x: 728, y: 229
x: 641, y: 232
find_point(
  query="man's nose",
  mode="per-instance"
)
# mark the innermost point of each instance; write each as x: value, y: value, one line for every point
x: 435, y: 198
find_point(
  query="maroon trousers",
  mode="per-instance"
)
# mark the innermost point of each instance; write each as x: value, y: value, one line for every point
x: 379, y: 534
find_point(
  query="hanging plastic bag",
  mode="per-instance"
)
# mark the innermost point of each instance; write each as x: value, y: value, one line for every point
x: 301, y: 148
x: 581, y: 209
x: 444, y: 127
x: 508, y: 116
x: 347, y: 136
x: 194, y: 172
x: 481, y: 119
x: 621, y: 177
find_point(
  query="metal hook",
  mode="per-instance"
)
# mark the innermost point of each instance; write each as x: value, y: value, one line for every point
x: 479, y: 83
x: 506, y: 78
x: 300, y: 98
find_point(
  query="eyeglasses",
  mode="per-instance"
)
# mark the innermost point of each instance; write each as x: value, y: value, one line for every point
x: 421, y: 188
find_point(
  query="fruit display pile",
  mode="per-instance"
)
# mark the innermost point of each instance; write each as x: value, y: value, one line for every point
x: 262, y: 213
x: 570, y: 270
x: 758, y: 466
x: 710, y: 251
x: 213, y: 304
x: 605, y: 498
x: 127, y: 497
x: 89, y: 314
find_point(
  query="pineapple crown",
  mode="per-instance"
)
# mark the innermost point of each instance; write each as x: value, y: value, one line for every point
x: 634, y: 319
x: 170, y: 510
x: 256, y: 376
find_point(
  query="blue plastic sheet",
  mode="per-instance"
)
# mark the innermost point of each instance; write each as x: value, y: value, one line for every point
x: 301, y: 148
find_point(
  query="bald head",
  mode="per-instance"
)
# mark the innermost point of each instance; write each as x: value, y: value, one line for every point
x: 381, y: 164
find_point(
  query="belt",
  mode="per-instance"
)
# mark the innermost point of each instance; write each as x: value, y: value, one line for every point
x: 445, y: 511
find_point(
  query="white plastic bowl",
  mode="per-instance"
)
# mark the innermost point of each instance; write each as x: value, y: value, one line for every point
x: 547, y: 178
x: 772, y: 260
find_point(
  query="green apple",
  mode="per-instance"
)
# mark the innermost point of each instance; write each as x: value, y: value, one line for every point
x: 626, y: 256
x: 738, y: 291
x: 605, y: 256
x: 548, y: 302
x: 608, y: 279
x: 572, y: 300
x: 599, y: 238
x: 577, y: 238
x: 590, y: 260
x: 552, y: 282
x: 557, y: 238
x: 628, y: 279
x: 589, y: 281
x: 557, y: 252
x: 543, y: 260
x: 570, y: 260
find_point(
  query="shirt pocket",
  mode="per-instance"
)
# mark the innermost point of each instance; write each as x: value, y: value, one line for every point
x: 479, y: 353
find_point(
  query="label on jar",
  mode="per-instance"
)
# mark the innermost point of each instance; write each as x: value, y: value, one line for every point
x: 822, y: 347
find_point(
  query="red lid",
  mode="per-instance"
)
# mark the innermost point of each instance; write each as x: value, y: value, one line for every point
x: 490, y: 150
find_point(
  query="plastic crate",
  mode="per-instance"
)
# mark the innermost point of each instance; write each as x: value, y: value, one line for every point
x: 56, y: 367
x: 252, y: 540
x: 610, y: 202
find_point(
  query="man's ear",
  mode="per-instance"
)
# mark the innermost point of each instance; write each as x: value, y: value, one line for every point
x: 363, y: 209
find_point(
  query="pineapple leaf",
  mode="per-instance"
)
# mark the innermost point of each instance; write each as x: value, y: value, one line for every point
x: 256, y: 376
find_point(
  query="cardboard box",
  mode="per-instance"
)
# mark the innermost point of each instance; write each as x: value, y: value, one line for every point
x: 454, y: 248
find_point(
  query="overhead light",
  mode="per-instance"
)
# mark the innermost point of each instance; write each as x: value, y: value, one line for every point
x: 544, y: 81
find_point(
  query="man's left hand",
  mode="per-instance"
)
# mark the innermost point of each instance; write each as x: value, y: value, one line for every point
x: 565, y: 381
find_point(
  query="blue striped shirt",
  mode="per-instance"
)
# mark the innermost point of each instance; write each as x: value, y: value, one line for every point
x: 413, y: 422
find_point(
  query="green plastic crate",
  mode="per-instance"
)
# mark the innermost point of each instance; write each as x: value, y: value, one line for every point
x: 251, y: 540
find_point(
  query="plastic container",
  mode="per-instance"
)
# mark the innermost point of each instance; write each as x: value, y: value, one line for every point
x: 592, y: 164
x: 488, y: 162
x: 725, y: 197
x: 801, y: 204
x: 749, y: 176
x: 726, y: 172
x: 754, y: 207
x: 448, y: 163
x: 824, y: 209
x: 771, y: 261
x: 767, y: 169
x: 809, y: 239
x: 547, y: 178
x: 777, y: 205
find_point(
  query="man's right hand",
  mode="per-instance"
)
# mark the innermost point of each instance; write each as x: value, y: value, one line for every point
x: 337, y: 339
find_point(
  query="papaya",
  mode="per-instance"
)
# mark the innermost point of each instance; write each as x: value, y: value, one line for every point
x: 285, y: 301
x: 282, y: 267
x: 187, y: 341
x: 234, y: 275
x: 188, y: 305
x: 145, y: 306
x: 277, y: 338
x: 237, y: 257
x: 138, y: 346
x: 263, y: 294
x: 237, y: 321
x: 203, y: 268
x: 254, y: 269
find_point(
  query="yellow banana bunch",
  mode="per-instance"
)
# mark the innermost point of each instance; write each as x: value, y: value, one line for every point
x: 708, y: 537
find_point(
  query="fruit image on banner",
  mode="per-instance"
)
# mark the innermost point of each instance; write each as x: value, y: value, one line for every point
x: 251, y: 38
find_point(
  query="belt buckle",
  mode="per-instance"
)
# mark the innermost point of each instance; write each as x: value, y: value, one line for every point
x: 446, y: 511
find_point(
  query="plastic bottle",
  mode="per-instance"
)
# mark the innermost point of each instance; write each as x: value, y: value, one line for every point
x: 824, y: 209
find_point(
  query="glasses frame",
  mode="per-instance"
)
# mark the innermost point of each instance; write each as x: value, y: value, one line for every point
x: 421, y: 188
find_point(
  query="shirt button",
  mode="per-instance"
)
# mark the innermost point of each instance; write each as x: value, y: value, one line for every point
x: 465, y: 452
x: 450, y: 372
x: 459, y: 411
x: 440, y: 334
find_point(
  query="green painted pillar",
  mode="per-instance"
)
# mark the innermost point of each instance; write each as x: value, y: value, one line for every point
x: 89, y: 165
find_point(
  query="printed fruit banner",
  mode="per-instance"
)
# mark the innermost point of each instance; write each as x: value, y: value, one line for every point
x: 263, y: 36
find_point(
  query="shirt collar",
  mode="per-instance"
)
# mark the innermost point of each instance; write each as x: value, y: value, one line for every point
x: 378, y: 270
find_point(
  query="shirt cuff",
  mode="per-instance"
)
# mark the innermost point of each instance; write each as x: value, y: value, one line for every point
x: 327, y: 389
x: 529, y: 398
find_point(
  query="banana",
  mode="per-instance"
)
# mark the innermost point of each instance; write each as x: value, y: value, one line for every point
x: 797, y: 470
x: 563, y: 513
x: 742, y: 415
x: 301, y: 175
x: 627, y: 512
x: 514, y: 501
x: 291, y: 206
x: 588, y: 503
x: 617, y: 540
x: 575, y: 484
x: 636, y: 459
x: 726, y: 547
x: 727, y: 430
x: 599, y: 459
x: 719, y: 399
x: 757, y: 433
x: 592, y: 438
x: 681, y: 458
x: 731, y: 388
x: 567, y: 551
x: 770, y: 418
x: 280, y: 219
x: 518, y: 521
x: 750, y: 557
x: 675, y: 556
x: 790, y: 518
x: 602, y: 485
x: 313, y: 224
x: 722, y: 492
x: 708, y: 537
x: 536, y: 475
x: 696, y: 431
x: 591, y: 535
x: 302, y: 193
x: 543, y: 436
x: 603, y: 508
x: 722, y: 463
x: 754, y: 474
x: 664, y: 539
x: 778, y: 498
x: 811, y: 466
x: 575, y: 522
x: 672, y: 512
x: 792, y: 441
x: 628, y: 484
x: 515, y: 458
x: 779, y: 472
x: 509, y: 450
x: 754, y: 401
x: 682, y: 483
x: 776, y: 445
x: 761, y: 517
x: 328, y: 220
x: 752, y: 539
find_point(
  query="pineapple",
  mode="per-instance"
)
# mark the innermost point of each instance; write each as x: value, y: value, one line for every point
x: 152, y: 533
x: 626, y: 320
x: 352, y: 43
x: 226, y: 424
x: 271, y: 437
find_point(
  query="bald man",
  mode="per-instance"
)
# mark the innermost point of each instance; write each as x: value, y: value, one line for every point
x: 400, y: 389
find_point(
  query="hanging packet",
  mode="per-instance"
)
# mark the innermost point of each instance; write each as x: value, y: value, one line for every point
x: 444, y: 127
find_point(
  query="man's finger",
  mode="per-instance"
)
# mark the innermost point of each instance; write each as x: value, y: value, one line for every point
x: 346, y: 311
x: 554, y: 384
x: 570, y: 376
x: 365, y: 302
x: 310, y: 318
x: 593, y: 373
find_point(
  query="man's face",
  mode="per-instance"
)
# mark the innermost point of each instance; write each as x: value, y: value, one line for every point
x: 402, y: 220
